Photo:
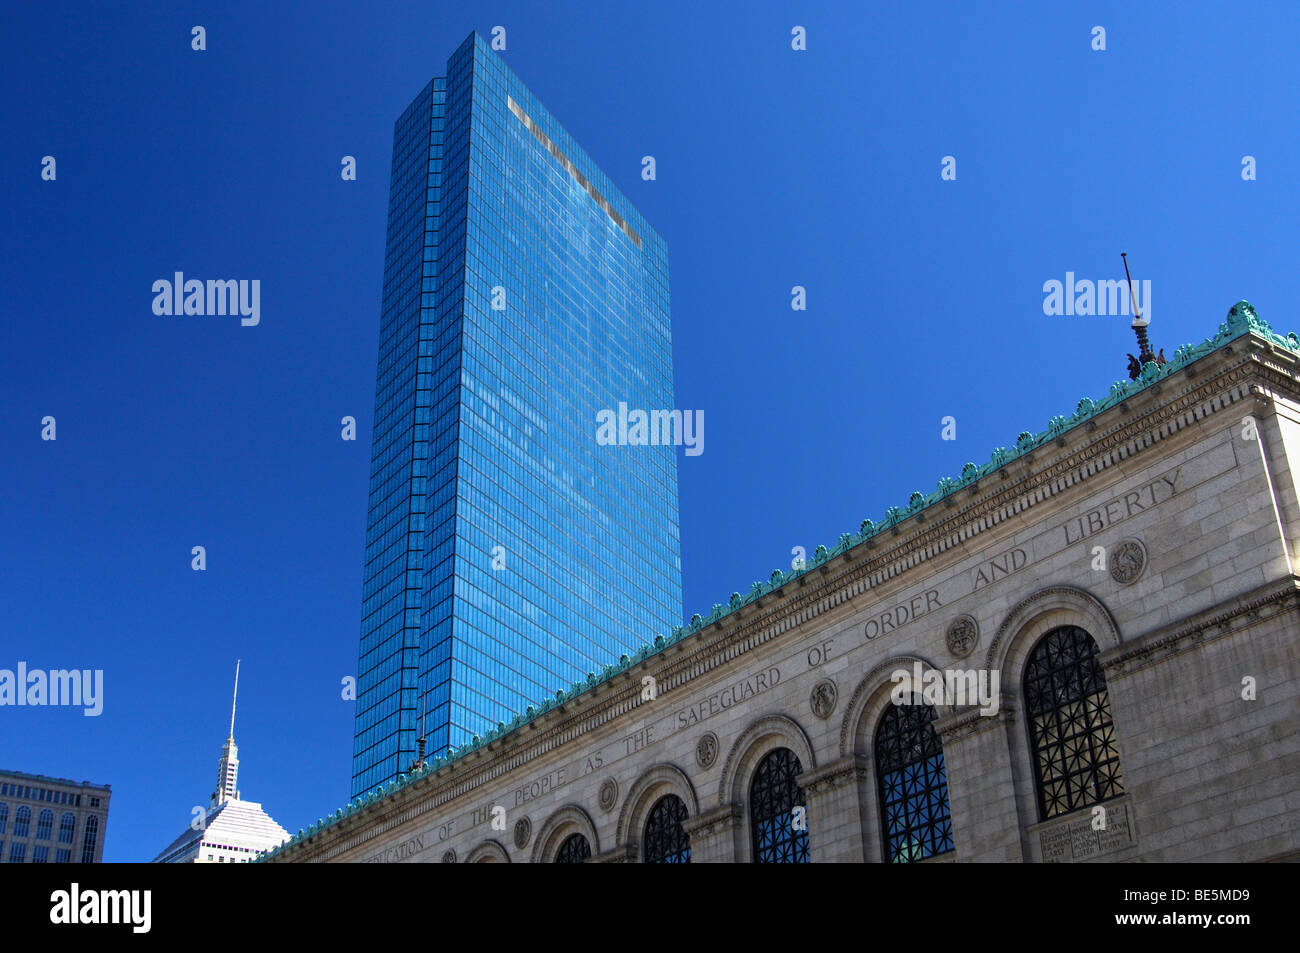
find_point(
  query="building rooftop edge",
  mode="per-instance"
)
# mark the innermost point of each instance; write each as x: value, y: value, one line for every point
x: 477, y: 39
x: 51, y: 780
x: 1241, y: 320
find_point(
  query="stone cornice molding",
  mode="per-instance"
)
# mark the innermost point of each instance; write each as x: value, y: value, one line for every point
x: 852, y: 770
x: 1250, y: 609
x: 623, y: 854
x: 968, y: 722
x: 724, y: 818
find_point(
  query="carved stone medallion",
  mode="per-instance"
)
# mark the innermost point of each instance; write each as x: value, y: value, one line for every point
x: 1127, y: 561
x: 706, y: 750
x: 449, y: 857
x: 962, y: 636
x: 823, y: 698
x: 608, y: 794
x: 523, y: 831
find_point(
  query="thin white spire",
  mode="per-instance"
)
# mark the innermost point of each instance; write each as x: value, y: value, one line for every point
x: 228, y: 767
x: 234, y: 699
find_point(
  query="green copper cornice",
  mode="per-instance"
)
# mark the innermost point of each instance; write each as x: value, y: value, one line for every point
x: 1241, y: 320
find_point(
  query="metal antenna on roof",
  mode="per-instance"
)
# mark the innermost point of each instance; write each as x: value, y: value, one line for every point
x: 1139, y: 325
x: 424, y: 709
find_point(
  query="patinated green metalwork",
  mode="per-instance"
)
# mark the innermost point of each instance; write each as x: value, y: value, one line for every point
x: 1241, y: 320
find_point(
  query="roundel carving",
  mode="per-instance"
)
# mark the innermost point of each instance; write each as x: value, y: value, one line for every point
x: 962, y: 636
x: 523, y: 831
x: 1127, y: 561
x: 823, y: 698
x: 449, y: 857
x: 608, y: 795
x: 706, y: 750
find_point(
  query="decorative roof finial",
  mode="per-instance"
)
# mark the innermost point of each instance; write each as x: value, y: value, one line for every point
x: 1145, y: 357
x: 419, y: 761
x: 424, y: 710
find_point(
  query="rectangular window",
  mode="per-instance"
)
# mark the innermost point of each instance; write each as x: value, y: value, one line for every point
x: 63, y: 856
x: 17, y: 852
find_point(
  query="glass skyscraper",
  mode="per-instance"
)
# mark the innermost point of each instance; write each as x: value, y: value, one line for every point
x: 508, y: 552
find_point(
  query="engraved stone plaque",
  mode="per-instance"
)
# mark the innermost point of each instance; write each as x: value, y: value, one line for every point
x: 1055, y: 845
x: 1076, y: 839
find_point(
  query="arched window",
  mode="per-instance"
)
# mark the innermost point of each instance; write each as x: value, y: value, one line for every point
x: 88, y: 840
x: 1071, y: 731
x: 45, y: 825
x: 780, y: 833
x: 22, y: 821
x: 666, y: 842
x: 912, y: 783
x: 574, y: 850
x: 4, y: 816
x: 67, y: 824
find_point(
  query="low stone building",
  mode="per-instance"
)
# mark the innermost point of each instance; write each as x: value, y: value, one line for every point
x: 1085, y: 648
x: 52, y: 820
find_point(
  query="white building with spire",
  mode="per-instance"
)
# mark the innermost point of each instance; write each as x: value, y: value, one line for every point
x: 232, y: 831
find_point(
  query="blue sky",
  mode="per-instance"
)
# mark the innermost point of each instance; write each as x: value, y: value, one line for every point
x: 775, y: 168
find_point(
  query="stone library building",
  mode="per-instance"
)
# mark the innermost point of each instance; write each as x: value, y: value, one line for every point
x: 1083, y: 649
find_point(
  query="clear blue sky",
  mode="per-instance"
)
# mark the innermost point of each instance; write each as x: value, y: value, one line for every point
x: 775, y: 168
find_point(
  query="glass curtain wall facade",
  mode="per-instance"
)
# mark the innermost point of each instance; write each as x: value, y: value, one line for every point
x: 508, y: 554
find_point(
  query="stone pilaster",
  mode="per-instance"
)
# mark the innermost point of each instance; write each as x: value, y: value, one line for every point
x: 713, y: 835
x: 981, y: 794
x: 836, y: 793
